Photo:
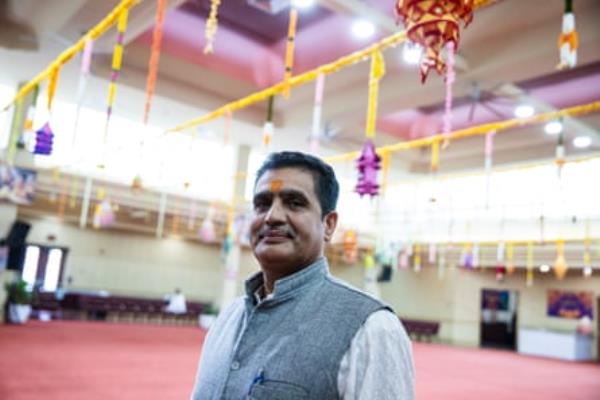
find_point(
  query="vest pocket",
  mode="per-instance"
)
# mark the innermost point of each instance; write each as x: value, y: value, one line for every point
x: 277, y: 390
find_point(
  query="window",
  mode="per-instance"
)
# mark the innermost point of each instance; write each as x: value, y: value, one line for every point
x: 43, y: 267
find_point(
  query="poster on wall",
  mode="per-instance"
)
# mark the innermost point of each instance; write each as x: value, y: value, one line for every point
x: 495, y: 299
x: 572, y: 305
x: 17, y: 185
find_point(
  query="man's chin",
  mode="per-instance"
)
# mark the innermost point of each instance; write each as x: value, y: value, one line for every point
x: 273, y: 254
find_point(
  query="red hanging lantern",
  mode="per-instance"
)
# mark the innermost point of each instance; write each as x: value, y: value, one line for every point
x: 432, y: 24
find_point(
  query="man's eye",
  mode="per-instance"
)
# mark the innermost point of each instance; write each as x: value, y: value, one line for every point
x: 296, y: 203
x: 260, y: 206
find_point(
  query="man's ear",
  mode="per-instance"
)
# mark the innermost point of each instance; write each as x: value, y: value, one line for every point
x: 330, y: 223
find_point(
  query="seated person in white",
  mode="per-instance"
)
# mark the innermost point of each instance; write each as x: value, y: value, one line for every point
x: 176, y: 303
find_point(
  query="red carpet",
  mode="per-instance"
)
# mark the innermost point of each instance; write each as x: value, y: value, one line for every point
x: 87, y: 361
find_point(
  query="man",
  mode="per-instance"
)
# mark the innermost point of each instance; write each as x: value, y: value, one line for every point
x: 176, y: 303
x: 298, y: 333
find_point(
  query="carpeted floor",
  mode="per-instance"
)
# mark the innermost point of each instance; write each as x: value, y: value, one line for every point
x: 95, y: 360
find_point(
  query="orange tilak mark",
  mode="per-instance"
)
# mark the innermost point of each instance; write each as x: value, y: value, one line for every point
x: 276, y: 185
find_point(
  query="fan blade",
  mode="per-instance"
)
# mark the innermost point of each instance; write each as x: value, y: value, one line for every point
x: 472, y: 112
x: 493, y: 110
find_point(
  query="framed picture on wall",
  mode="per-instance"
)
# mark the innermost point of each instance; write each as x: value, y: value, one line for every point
x: 572, y: 305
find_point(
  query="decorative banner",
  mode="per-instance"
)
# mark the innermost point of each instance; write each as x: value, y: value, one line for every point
x: 560, y: 152
x: 207, y: 232
x: 368, y: 164
x: 15, y: 132
x: 560, y: 264
x: 212, y: 24
x: 442, y: 263
x: 376, y: 73
x: 435, y: 156
x: 73, y: 192
x: 53, y: 195
x: 192, y: 215
x: 52, y: 83
x: 529, y: 278
x: 289, y: 53
x: 476, y: 258
x: 317, y: 110
x: 30, y: 117
x: 568, y: 40
x: 432, y: 253
x: 433, y: 24
x: 417, y: 258
x: 510, y: 265
x: 350, y: 246
x: 369, y: 161
x: 103, y: 213
x: 268, y: 128
x: 450, y: 78
x: 466, y: 258
x: 572, y: 305
x: 154, y: 57
x: 116, y: 66
x: 86, y: 61
x: 385, y: 156
x: 44, y: 139
x: 489, y: 150
x: 371, y: 286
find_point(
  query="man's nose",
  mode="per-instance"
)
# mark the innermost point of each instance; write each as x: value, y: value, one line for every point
x: 275, y: 214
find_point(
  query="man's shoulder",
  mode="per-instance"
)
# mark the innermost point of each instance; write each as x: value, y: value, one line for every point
x: 339, y: 286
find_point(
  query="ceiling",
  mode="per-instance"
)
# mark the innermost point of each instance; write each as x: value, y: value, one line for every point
x: 507, y: 55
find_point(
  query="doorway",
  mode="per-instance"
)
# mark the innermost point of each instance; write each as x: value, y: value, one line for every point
x: 498, y: 324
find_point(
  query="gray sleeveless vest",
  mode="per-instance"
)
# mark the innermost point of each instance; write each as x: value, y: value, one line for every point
x: 287, y: 347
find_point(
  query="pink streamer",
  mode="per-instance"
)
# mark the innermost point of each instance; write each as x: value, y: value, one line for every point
x: 316, y: 125
x: 86, y: 58
x: 450, y: 77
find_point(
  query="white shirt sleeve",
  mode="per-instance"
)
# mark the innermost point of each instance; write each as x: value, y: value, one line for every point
x: 379, y: 364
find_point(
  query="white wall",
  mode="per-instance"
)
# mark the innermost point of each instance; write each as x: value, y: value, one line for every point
x: 138, y: 265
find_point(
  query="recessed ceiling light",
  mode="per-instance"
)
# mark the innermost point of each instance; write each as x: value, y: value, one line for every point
x: 524, y: 111
x: 303, y: 3
x: 553, y: 127
x: 544, y: 268
x: 363, y: 29
x: 581, y: 142
x: 412, y: 53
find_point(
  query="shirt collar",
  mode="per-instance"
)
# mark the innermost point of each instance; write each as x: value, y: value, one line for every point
x: 285, y: 286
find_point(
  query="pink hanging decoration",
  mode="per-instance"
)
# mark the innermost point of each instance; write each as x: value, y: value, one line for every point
x: 489, y: 148
x: 207, y: 230
x: 103, y: 214
x: 450, y: 78
x: 317, y: 110
x: 368, y: 164
x: 86, y: 61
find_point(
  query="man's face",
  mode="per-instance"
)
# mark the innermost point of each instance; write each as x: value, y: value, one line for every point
x: 287, y: 231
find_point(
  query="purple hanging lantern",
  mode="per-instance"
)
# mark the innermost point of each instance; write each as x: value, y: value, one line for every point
x: 368, y: 164
x: 44, y: 138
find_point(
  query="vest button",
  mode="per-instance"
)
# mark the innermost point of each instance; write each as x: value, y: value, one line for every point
x: 235, y: 365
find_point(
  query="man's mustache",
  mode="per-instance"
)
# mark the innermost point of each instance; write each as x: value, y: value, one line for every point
x: 279, y: 231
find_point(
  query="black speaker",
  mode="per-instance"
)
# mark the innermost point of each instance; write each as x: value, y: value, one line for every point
x: 386, y: 273
x: 18, y: 233
x: 16, y: 257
